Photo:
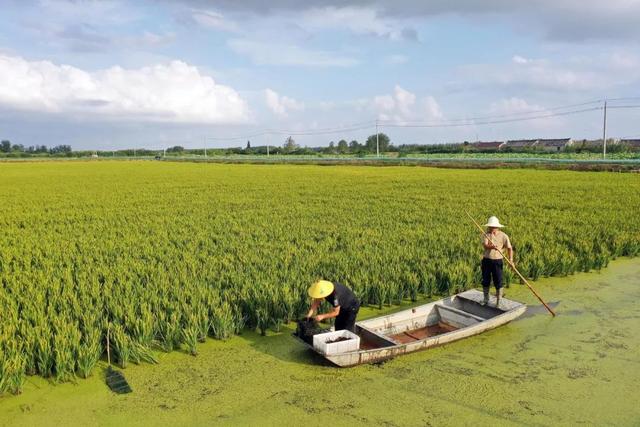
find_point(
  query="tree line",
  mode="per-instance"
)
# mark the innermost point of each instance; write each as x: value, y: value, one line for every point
x: 371, y: 145
x: 7, y: 149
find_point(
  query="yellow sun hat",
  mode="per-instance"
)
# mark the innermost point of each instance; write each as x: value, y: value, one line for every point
x: 320, y: 289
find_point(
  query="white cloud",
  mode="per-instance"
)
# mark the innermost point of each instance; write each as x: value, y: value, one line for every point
x: 536, y: 74
x: 624, y: 61
x: 544, y: 74
x: 215, y: 20
x: 88, y: 38
x: 517, y: 59
x: 358, y: 20
x: 265, y: 53
x: 281, y: 105
x: 592, y: 73
x: 518, y: 108
x: 327, y: 105
x: 175, y: 92
x: 432, y: 109
x: 103, y: 12
x: 564, y: 20
x: 514, y: 105
x: 401, y: 106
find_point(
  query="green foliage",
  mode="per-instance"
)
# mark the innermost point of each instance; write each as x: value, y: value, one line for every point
x: 343, y: 147
x: 290, y: 145
x: 170, y: 253
x: 89, y: 352
x: 380, y: 141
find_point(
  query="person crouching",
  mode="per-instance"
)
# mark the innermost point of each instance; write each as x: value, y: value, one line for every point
x: 344, y: 302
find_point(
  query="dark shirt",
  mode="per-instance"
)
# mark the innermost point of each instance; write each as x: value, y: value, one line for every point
x: 342, y: 296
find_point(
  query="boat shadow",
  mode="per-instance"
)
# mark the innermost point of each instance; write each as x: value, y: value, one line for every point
x: 282, y: 345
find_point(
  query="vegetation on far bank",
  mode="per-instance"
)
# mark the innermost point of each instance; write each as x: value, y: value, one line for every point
x: 374, y: 145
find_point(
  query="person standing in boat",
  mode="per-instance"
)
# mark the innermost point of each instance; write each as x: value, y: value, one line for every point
x: 344, y: 302
x: 492, y: 262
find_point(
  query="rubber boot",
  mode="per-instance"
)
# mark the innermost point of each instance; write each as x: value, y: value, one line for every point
x: 485, y: 300
x: 499, y: 295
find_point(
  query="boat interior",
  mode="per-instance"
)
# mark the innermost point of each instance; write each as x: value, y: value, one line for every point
x: 415, y: 324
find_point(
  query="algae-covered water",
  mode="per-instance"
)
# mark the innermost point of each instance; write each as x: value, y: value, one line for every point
x: 582, y: 367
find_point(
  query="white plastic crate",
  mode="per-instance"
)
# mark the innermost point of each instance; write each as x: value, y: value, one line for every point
x: 327, y: 348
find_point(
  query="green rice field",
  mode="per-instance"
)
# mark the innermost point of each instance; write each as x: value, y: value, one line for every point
x: 164, y: 255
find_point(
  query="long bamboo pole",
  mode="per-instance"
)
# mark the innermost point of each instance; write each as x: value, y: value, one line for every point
x: 526, y: 282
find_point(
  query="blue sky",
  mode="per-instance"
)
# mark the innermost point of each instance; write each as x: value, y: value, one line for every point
x: 113, y: 74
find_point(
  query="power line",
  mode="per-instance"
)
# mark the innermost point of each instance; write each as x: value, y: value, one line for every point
x: 320, y: 131
x: 329, y: 129
x: 521, y: 113
x: 448, y: 123
x: 302, y: 133
x: 522, y: 119
x: 626, y: 98
x: 624, y: 106
x: 524, y: 113
x: 232, y: 138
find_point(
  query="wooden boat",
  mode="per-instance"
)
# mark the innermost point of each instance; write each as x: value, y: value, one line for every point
x: 437, y: 323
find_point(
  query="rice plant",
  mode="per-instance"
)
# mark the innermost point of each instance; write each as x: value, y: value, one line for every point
x: 170, y: 254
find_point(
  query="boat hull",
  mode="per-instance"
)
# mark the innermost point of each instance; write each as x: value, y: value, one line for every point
x: 462, y: 310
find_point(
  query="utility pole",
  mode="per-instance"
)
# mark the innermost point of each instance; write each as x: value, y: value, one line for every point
x: 205, y: 147
x: 604, y: 132
x: 377, y: 140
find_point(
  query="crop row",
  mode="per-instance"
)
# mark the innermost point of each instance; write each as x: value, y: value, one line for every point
x: 163, y: 256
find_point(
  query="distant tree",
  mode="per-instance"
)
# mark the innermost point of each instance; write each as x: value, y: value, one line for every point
x: 343, y: 146
x: 306, y: 151
x: 354, y: 146
x: 19, y: 148
x: 37, y: 149
x: 60, y: 149
x: 5, y: 146
x: 290, y: 145
x: 331, y: 149
x: 248, y: 145
x: 383, y: 141
x: 175, y: 149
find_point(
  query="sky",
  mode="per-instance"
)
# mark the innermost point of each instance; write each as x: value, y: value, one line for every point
x: 117, y: 74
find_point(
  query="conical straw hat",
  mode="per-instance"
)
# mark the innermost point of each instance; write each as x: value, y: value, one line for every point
x: 320, y: 289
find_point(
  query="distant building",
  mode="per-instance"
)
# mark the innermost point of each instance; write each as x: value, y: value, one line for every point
x: 550, y: 145
x: 519, y: 144
x: 554, y: 145
x: 632, y: 144
x: 487, y: 146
